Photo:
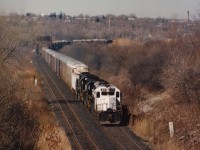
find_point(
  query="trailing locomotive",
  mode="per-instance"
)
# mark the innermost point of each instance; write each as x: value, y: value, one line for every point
x: 96, y: 94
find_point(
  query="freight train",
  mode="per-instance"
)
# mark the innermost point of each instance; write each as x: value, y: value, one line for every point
x: 96, y: 94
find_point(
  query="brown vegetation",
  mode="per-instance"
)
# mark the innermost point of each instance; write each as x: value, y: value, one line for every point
x: 53, y: 138
x: 24, y: 113
x: 152, y: 68
x: 155, y: 62
x: 17, y: 122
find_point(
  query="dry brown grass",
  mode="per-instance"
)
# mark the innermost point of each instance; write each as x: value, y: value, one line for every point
x: 53, y: 138
x: 144, y: 128
x: 122, y: 42
x: 125, y: 42
x: 153, y: 125
x: 18, y: 122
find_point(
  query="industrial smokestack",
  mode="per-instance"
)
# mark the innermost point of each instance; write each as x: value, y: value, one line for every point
x: 188, y: 13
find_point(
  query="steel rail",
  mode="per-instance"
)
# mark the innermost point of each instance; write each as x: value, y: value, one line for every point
x: 63, y: 114
x: 113, y: 138
x: 130, y: 138
x: 122, y: 132
x: 62, y: 95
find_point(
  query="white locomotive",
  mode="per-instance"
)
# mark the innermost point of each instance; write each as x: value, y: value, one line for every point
x: 97, y: 94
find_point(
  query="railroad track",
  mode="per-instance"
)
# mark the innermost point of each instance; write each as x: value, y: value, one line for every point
x: 126, y: 140
x: 79, y: 135
x: 83, y: 130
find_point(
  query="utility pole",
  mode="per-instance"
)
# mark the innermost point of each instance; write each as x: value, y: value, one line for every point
x: 109, y: 24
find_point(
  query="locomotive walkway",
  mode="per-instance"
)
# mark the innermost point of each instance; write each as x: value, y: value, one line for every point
x: 82, y: 128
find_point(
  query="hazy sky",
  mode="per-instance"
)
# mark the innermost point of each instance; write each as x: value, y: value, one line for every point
x: 142, y: 8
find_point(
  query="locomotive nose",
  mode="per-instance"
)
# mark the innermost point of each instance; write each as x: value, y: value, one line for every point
x: 109, y: 110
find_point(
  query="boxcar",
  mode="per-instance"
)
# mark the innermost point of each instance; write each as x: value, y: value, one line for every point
x: 65, y: 67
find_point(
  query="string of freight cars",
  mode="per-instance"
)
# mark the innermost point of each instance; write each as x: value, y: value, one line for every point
x: 96, y: 94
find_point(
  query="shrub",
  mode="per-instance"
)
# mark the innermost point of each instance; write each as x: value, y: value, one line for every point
x: 145, y: 65
x: 181, y: 75
x: 19, y: 129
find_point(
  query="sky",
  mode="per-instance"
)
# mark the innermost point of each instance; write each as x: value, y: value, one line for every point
x: 141, y: 8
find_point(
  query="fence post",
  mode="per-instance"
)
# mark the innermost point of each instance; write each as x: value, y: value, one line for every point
x: 171, y: 129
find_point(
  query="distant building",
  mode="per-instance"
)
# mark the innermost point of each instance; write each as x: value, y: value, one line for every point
x: 42, y: 15
x: 131, y: 19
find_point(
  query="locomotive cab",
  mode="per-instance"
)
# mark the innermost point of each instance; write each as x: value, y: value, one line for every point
x: 107, y: 102
x: 101, y: 97
x: 97, y: 94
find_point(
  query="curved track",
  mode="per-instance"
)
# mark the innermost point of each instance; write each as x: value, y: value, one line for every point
x: 80, y: 137
x: 82, y: 129
x: 87, y: 131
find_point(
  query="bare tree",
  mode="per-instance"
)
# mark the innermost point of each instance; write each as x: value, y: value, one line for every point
x: 11, y: 38
x: 17, y: 124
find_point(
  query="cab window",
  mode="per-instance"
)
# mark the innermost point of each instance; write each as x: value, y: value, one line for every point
x: 98, y: 94
x: 111, y: 93
x: 103, y: 93
x: 117, y: 94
